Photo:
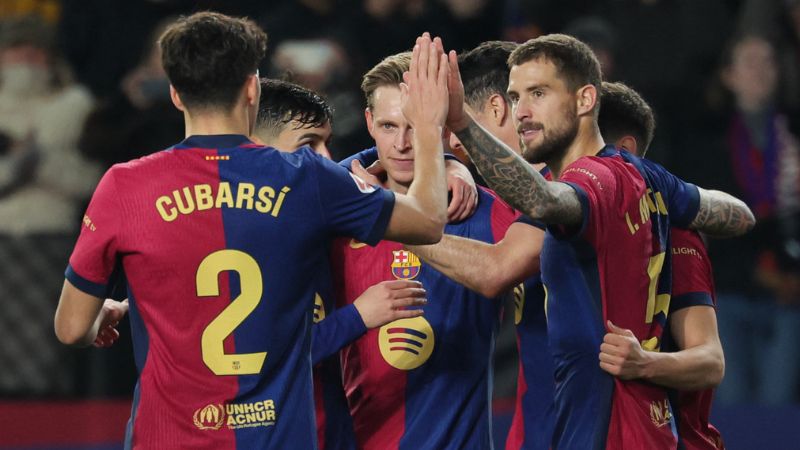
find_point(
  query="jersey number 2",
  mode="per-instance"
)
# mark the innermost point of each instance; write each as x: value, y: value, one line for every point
x: 233, y: 315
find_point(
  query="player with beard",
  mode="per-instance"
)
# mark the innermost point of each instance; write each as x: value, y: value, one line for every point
x: 218, y: 238
x: 691, y: 361
x: 606, y: 253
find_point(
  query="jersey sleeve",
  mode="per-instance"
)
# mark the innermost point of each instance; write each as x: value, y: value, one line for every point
x: 365, y: 157
x: 337, y: 330
x: 94, y: 263
x: 350, y: 206
x: 596, y: 187
x: 527, y: 220
x: 692, y: 279
x: 682, y: 198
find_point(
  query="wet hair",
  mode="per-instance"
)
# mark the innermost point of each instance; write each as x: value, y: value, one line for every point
x: 388, y: 72
x: 283, y: 102
x: 208, y: 56
x: 484, y: 71
x: 624, y: 112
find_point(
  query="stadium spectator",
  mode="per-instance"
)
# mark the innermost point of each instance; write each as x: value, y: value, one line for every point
x: 42, y: 111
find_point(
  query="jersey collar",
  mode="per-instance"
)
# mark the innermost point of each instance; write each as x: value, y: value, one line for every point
x: 214, y: 141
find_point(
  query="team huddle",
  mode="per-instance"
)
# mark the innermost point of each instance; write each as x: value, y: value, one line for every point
x: 280, y: 300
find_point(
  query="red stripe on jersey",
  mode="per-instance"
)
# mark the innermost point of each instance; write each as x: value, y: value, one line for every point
x: 170, y: 326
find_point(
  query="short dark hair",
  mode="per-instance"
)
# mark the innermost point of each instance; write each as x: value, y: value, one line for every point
x: 388, y: 72
x: 484, y: 71
x: 283, y: 102
x: 574, y: 60
x: 624, y: 112
x: 208, y: 56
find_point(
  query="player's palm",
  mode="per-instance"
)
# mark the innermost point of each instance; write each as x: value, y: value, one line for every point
x: 424, y: 94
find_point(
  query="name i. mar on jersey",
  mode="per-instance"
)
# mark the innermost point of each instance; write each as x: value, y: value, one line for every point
x: 201, y: 197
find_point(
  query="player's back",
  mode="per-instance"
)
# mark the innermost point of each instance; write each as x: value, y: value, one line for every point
x: 615, y: 268
x: 220, y: 241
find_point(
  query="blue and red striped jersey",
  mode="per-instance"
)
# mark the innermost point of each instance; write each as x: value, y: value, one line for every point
x: 532, y: 426
x: 424, y: 382
x: 692, y: 285
x: 614, y: 266
x: 221, y: 241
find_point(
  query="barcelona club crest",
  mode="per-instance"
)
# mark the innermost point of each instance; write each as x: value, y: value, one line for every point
x: 405, y: 265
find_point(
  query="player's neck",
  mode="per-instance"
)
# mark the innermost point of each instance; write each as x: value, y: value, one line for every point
x: 214, y: 122
x: 588, y: 142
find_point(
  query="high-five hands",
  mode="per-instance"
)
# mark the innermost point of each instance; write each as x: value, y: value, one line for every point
x: 424, y: 94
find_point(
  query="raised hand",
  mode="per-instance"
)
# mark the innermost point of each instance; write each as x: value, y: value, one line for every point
x: 387, y: 301
x: 424, y: 94
x: 457, y: 118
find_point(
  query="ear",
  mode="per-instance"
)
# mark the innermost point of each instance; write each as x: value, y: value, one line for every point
x: 253, y: 90
x: 587, y: 99
x: 498, y: 108
x: 176, y: 99
x: 368, y: 117
x: 628, y: 143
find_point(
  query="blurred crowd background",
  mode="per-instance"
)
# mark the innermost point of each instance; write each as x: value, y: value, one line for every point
x: 81, y: 88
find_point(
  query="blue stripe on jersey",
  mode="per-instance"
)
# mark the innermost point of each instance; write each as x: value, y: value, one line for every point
x: 139, y: 335
x: 690, y: 299
x: 89, y: 287
x: 286, y: 373
x: 460, y: 367
x: 132, y: 420
x: 537, y: 363
x: 575, y: 326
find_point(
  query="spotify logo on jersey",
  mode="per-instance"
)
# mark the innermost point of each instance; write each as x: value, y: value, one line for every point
x: 406, y: 343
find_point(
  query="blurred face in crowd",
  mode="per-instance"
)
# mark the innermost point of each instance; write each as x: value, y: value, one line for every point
x: 23, y: 70
x: 296, y: 134
x: 752, y: 75
x: 544, y: 110
x: 392, y: 134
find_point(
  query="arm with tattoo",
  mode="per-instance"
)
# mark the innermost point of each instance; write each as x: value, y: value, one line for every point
x: 516, y: 182
x: 722, y: 215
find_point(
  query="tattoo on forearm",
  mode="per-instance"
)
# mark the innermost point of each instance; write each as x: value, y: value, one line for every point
x: 722, y: 215
x: 515, y: 180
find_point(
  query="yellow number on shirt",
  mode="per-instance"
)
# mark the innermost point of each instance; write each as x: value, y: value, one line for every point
x: 233, y: 315
x: 656, y: 302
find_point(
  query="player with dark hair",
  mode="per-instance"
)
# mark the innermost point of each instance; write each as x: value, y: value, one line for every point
x: 605, y: 258
x: 423, y: 382
x: 691, y: 360
x: 625, y: 118
x: 291, y: 116
x: 220, y: 240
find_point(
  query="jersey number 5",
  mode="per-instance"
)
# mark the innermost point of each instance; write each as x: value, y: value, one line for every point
x: 233, y: 315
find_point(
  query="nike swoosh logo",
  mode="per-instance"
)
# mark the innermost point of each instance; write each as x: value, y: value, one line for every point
x: 356, y: 245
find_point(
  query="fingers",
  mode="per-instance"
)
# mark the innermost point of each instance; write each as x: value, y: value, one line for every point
x: 402, y: 284
x: 610, y: 368
x: 376, y: 168
x: 407, y: 313
x: 455, y: 201
x: 424, y: 56
x: 611, y: 359
x: 454, y: 76
x: 617, y: 330
x: 409, y: 302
